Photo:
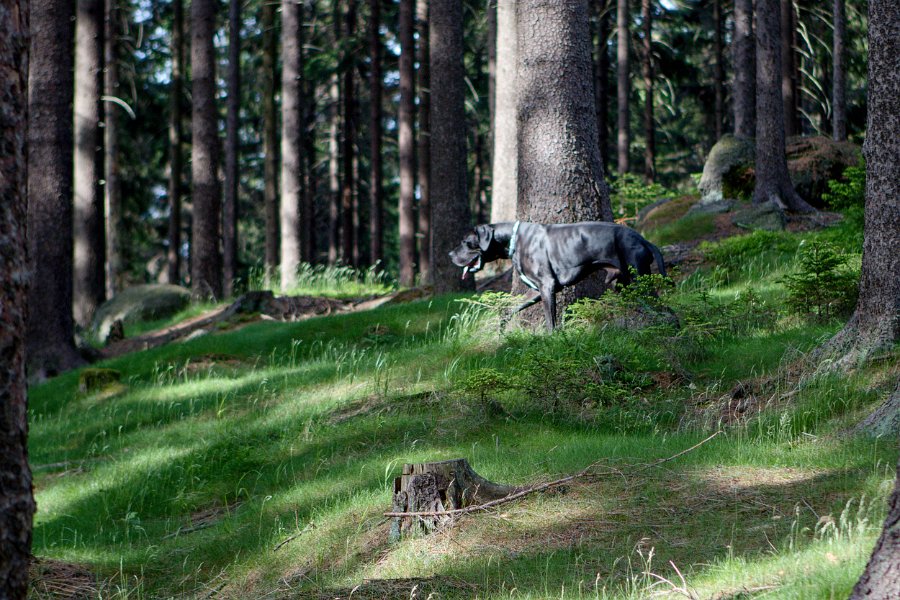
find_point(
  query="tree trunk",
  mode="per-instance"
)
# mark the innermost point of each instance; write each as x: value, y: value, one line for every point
x: 173, y: 253
x: 424, y: 162
x: 875, y: 323
x: 348, y: 231
x: 439, y: 486
x: 557, y: 119
x: 206, y: 258
x: 16, y: 496
x: 744, y: 57
x: 719, y: 76
x: 232, y: 142
x: 504, y: 172
x: 881, y: 579
x: 88, y: 225
x: 334, y: 170
x: 270, y: 134
x: 50, y: 333
x: 293, y: 127
x: 450, y: 216
x: 788, y: 82
x: 773, y: 183
x: 647, y: 72
x: 839, y: 76
x: 406, y: 146
x: 601, y: 80
x: 491, y: 11
x: 624, y: 86
x: 308, y: 213
x: 113, y: 187
x: 376, y: 172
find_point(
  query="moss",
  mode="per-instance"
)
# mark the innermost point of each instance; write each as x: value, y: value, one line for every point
x: 95, y: 379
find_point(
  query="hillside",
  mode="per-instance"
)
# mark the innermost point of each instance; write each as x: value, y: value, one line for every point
x: 256, y: 462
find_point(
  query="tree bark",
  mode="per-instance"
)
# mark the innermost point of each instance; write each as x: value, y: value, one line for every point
x: 293, y: 127
x: 601, y: 80
x: 560, y: 174
x: 206, y: 257
x: 16, y: 497
x: 839, y: 74
x: 504, y: 172
x: 348, y: 231
x: 875, y: 323
x: 424, y: 141
x: 647, y: 71
x: 308, y: 213
x: 719, y: 76
x: 376, y: 171
x: 173, y: 252
x: 881, y: 578
x: 113, y: 187
x: 773, y: 183
x: 88, y: 225
x: 270, y: 134
x: 450, y: 216
x: 232, y: 143
x: 491, y: 11
x: 788, y: 80
x: 624, y: 86
x: 406, y: 146
x: 50, y: 332
x: 744, y: 58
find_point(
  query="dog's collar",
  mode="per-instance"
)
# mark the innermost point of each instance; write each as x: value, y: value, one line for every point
x: 512, y: 239
x: 512, y: 252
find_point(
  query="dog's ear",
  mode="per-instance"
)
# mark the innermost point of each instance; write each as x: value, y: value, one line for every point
x: 485, y: 236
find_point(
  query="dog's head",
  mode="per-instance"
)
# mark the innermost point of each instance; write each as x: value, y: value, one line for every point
x: 475, y: 250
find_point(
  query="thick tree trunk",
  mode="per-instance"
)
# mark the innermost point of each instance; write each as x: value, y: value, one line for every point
x: 560, y: 174
x: 406, y: 145
x: 113, y: 187
x: 88, y: 225
x: 744, y: 57
x: 773, y: 183
x: 376, y: 171
x: 450, y: 216
x: 881, y: 579
x: 504, y: 173
x: 206, y: 257
x: 173, y: 253
x: 270, y: 133
x: 719, y: 75
x: 839, y: 74
x: 16, y: 498
x: 624, y: 87
x: 348, y: 152
x: 334, y: 170
x: 788, y: 81
x: 491, y: 11
x: 50, y: 334
x: 424, y: 145
x: 293, y: 143
x: 647, y: 72
x: 232, y: 142
x: 875, y: 323
x: 601, y: 80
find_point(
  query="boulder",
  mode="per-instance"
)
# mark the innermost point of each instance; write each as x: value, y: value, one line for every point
x: 139, y: 303
x: 766, y: 215
x: 812, y: 162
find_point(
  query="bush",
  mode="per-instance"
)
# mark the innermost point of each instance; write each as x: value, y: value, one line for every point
x: 849, y: 192
x: 823, y: 286
x: 630, y: 194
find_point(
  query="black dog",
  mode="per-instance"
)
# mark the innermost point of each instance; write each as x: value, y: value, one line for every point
x: 551, y: 257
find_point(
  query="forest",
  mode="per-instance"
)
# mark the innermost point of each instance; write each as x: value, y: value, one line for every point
x: 277, y: 279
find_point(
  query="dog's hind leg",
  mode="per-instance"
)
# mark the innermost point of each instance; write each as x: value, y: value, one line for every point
x: 530, y: 302
x: 549, y: 298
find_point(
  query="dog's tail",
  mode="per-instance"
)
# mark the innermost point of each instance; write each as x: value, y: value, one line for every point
x: 659, y: 259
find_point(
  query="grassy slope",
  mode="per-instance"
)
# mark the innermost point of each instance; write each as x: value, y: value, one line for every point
x: 218, y: 449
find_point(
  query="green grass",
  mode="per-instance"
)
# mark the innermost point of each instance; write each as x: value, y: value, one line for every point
x: 191, y: 311
x: 684, y: 229
x: 327, y: 280
x: 217, y: 450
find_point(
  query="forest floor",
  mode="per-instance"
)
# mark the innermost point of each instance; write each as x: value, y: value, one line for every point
x: 257, y: 461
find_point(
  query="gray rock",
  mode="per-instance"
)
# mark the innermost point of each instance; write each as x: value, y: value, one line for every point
x: 711, y: 207
x: 766, y: 215
x: 139, y: 303
x: 728, y: 154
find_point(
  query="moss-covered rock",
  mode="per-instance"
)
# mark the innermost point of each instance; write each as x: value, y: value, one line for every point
x: 767, y: 216
x: 730, y: 154
x: 139, y: 303
x: 94, y: 379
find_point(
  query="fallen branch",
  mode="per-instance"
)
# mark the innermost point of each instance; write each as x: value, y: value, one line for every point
x: 540, y: 487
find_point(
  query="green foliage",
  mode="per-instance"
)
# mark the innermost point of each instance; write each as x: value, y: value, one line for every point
x: 629, y: 194
x: 823, y: 286
x: 849, y: 192
x: 325, y: 280
x: 683, y: 229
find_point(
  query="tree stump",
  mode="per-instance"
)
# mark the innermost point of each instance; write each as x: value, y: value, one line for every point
x: 435, y: 487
